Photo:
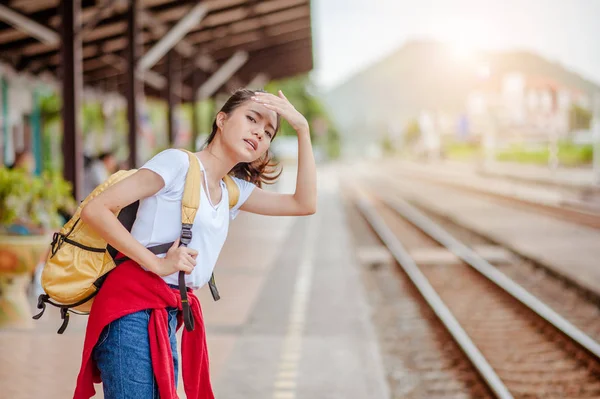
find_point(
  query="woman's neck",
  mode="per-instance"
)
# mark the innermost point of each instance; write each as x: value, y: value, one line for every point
x: 216, y: 163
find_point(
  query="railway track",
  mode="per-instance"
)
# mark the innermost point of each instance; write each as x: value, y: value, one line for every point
x: 519, y: 346
x: 580, y: 212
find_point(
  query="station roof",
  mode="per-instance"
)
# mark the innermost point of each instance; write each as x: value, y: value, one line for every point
x: 274, y: 35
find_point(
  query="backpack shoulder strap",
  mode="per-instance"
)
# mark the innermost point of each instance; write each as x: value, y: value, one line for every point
x: 233, y: 191
x: 189, y: 206
x: 191, y: 191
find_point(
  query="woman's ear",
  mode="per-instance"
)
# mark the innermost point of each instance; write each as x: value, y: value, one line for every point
x: 221, y: 116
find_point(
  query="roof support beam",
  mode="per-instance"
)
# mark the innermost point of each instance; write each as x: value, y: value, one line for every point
x: 106, y: 9
x: 170, y: 73
x: 195, y: 123
x: 183, y: 47
x: 258, y: 82
x: 151, y: 78
x: 177, y: 33
x: 132, y: 81
x: 222, y: 75
x: 29, y: 26
x: 70, y: 51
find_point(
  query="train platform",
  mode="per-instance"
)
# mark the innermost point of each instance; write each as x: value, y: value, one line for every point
x: 570, y: 250
x: 293, y: 321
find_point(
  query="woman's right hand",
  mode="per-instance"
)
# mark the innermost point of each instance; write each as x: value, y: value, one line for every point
x: 177, y: 259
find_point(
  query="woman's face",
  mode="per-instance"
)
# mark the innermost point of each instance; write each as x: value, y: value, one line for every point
x: 248, y: 130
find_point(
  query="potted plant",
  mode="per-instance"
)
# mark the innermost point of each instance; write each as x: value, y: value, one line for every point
x: 30, y: 210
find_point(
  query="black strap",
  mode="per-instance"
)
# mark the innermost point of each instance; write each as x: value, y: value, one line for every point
x: 64, y: 314
x: 42, y: 299
x: 188, y: 317
x: 58, y: 239
x: 64, y: 309
x: 213, y: 288
x: 161, y: 248
x: 156, y: 250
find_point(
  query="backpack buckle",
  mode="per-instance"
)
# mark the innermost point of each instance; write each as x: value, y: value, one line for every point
x: 57, y: 242
x: 64, y: 315
x: 186, y: 234
x: 41, y: 304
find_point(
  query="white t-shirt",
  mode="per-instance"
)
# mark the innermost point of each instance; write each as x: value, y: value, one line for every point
x: 158, y: 218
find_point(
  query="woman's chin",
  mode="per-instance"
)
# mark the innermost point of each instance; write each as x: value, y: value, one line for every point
x: 246, y: 156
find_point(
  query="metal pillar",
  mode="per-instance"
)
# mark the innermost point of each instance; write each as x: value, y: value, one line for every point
x: 132, y: 82
x: 70, y: 52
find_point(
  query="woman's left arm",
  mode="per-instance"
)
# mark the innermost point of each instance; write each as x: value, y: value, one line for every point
x: 304, y: 199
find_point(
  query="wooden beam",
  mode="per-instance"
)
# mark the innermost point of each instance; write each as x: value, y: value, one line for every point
x: 71, y: 92
x: 132, y: 81
x: 168, y: 41
x: 106, y: 9
x: 258, y: 81
x: 222, y: 75
x: 170, y: 96
x: 29, y: 26
x: 152, y: 78
x: 258, y: 45
x: 196, y: 81
x: 183, y: 47
x: 277, y: 19
x: 252, y: 23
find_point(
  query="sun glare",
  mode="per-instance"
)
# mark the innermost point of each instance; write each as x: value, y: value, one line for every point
x: 461, y: 50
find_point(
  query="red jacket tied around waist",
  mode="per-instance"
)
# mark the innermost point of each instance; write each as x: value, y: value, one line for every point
x: 129, y: 289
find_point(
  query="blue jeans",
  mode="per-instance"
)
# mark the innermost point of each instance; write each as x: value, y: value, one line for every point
x: 122, y: 355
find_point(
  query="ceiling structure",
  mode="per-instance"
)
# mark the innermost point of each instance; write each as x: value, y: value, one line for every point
x: 224, y: 44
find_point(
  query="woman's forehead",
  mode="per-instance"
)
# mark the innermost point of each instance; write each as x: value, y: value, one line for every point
x: 262, y: 111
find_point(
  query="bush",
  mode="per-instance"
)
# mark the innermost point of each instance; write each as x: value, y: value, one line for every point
x: 33, y: 203
x: 568, y: 154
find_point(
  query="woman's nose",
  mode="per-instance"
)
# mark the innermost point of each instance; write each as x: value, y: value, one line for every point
x: 259, y: 132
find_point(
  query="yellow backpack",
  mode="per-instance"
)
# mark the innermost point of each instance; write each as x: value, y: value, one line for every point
x: 80, y: 259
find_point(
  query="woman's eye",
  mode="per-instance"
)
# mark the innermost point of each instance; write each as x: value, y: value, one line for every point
x: 269, y: 134
x: 252, y: 119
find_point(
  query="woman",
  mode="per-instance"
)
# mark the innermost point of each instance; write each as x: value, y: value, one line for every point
x: 126, y: 354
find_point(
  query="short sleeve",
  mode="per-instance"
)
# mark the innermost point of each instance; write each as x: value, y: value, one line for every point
x: 169, y: 164
x: 246, y: 189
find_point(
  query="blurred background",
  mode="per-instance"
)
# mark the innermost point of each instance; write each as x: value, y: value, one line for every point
x: 482, y: 117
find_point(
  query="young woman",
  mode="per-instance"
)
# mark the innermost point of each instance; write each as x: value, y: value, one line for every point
x: 130, y: 340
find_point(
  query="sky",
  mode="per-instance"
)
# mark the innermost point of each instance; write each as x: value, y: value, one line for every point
x: 349, y: 35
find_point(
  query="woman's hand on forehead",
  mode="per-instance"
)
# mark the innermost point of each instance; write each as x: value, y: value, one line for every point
x: 281, y: 105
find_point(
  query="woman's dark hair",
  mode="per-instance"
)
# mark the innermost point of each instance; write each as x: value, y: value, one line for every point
x: 262, y: 171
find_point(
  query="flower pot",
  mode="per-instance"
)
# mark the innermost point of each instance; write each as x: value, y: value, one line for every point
x: 19, y: 256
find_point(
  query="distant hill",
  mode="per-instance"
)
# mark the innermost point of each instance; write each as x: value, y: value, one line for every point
x: 425, y: 75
